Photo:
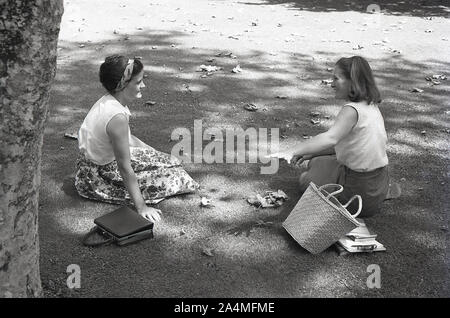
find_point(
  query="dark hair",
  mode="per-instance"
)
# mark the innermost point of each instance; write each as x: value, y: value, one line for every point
x: 362, y: 84
x: 111, y: 71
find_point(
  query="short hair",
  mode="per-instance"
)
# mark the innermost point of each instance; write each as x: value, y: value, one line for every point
x: 362, y: 83
x: 112, y: 69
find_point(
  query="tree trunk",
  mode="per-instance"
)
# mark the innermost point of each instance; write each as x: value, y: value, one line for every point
x: 28, y: 41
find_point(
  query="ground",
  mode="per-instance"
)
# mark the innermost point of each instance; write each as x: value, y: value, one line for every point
x: 284, y: 48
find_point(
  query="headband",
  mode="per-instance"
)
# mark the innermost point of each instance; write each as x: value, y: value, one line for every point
x: 126, y: 76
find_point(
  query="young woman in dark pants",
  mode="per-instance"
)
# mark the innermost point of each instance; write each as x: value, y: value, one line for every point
x: 353, y: 151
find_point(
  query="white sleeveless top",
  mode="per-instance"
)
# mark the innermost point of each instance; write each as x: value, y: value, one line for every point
x: 93, y: 141
x: 364, y: 148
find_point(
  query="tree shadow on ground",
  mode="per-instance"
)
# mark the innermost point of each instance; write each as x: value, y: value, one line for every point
x: 418, y: 8
x: 266, y: 262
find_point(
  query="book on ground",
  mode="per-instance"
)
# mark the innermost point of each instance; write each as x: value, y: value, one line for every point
x: 360, y: 240
x: 356, y: 247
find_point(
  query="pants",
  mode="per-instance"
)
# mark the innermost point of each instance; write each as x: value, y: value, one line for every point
x: 372, y: 186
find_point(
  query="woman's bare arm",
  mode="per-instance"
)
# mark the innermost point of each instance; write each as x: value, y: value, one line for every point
x: 324, y: 142
x: 117, y: 130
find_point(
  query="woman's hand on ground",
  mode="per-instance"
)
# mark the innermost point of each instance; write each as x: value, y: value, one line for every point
x: 151, y: 214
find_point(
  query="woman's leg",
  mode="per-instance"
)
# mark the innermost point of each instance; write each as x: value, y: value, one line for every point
x: 371, y: 186
x: 101, y: 183
x: 321, y: 170
x: 160, y: 175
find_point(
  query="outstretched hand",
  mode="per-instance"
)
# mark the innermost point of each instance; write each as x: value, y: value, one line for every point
x: 295, y: 160
x: 282, y: 155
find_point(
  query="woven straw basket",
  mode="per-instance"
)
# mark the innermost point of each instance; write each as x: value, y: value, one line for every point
x: 319, y: 219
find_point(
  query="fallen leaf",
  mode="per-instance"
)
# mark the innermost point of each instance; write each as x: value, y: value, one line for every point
x: 395, y: 51
x: 208, y: 68
x: 270, y: 200
x: 436, y: 77
x: 71, y: 135
x: 250, y: 107
x: 279, y: 194
x: 205, y: 202
x: 208, y: 252
x: 254, y: 200
x: 237, y: 69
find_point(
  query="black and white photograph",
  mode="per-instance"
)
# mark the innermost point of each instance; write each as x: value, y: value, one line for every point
x: 224, y: 155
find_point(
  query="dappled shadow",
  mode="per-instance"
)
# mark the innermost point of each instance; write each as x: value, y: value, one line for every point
x: 246, y: 252
x: 419, y: 8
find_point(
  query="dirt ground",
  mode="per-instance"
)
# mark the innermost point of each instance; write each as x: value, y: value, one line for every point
x: 284, y: 48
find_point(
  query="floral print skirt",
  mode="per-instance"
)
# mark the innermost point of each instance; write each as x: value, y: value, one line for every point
x: 159, y: 175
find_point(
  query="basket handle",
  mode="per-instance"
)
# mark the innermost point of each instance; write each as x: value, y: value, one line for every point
x: 360, y: 204
x: 341, y: 188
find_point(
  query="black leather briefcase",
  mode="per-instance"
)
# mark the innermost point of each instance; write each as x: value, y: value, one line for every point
x: 122, y: 226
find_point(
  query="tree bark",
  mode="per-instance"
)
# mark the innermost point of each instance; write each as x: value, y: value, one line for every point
x: 28, y: 42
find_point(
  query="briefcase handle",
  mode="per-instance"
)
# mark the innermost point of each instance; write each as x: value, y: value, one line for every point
x: 91, y: 232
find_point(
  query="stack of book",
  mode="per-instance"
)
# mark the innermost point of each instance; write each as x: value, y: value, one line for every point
x: 359, y: 240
